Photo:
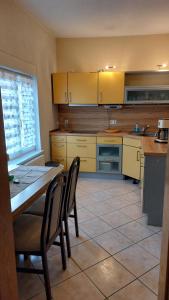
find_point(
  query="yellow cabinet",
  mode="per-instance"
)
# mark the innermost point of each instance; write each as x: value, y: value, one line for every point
x: 82, y: 150
x: 82, y: 88
x: 59, y: 149
x: 111, y: 88
x: 85, y: 148
x: 109, y: 140
x: 86, y: 164
x: 131, y: 161
x: 60, y: 92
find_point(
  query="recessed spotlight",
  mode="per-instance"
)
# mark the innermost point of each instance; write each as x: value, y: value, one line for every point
x: 110, y: 67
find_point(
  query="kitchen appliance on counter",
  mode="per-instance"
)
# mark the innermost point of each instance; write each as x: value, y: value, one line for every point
x: 163, y: 128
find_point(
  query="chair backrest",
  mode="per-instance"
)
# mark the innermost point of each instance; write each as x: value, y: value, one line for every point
x: 53, y: 211
x: 70, y: 189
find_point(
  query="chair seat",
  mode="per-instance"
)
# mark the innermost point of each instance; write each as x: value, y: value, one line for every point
x: 37, y: 208
x: 27, y: 232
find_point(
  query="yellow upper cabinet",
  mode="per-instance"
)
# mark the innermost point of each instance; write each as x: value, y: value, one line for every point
x: 111, y: 88
x: 82, y: 88
x: 60, y: 88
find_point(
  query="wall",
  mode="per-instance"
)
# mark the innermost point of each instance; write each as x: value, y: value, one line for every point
x: 26, y: 46
x: 128, y: 53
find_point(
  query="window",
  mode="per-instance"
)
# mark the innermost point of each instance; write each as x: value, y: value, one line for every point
x: 20, y: 112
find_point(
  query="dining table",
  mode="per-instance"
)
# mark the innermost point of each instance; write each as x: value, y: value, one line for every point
x: 29, y: 183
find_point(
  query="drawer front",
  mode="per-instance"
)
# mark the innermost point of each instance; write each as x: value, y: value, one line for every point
x: 86, y: 164
x: 62, y: 161
x: 82, y: 150
x: 58, y: 150
x: 109, y: 140
x: 81, y: 139
x: 132, y: 142
x: 113, y: 167
x: 58, y: 139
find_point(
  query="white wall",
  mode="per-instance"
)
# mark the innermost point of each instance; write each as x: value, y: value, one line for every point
x: 25, y: 45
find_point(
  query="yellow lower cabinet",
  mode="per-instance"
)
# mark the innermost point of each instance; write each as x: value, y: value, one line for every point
x: 86, y: 164
x: 131, y: 162
x: 82, y: 150
x: 58, y: 150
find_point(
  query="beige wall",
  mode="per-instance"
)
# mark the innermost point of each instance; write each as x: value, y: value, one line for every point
x: 128, y: 53
x: 25, y: 45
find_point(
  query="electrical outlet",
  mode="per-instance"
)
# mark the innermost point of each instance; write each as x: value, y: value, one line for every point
x: 113, y: 122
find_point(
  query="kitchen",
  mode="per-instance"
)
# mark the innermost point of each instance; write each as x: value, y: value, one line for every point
x: 130, y: 54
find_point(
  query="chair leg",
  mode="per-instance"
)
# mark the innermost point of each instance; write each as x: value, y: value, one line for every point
x: 46, y: 277
x: 67, y: 237
x: 76, y: 220
x: 62, y: 246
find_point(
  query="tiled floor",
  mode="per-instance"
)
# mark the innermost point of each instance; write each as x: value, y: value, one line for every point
x: 116, y: 256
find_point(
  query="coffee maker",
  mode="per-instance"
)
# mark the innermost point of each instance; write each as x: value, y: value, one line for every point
x: 163, y: 128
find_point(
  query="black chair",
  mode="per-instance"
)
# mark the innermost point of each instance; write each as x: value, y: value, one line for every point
x: 69, y: 202
x: 35, y: 234
x: 70, y: 208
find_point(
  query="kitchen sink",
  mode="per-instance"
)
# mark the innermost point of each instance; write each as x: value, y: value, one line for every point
x: 144, y: 134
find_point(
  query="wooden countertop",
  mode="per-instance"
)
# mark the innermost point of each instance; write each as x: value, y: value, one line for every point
x: 152, y: 148
x: 148, y: 144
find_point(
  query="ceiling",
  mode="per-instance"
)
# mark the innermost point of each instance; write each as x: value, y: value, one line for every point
x: 101, y: 18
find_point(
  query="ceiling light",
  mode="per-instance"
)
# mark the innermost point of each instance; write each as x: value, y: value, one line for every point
x: 110, y: 67
x: 162, y: 67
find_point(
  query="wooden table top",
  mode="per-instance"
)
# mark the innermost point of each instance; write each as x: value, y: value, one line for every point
x: 26, y: 197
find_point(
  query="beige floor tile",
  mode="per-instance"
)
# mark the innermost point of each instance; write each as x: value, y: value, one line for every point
x: 84, y: 215
x: 135, y: 231
x: 56, y: 272
x: 88, y: 254
x: 132, y: 211
x: 135, y: 290
x: 143, y: 221
x: 136, y: 260
x: 116, y: 219
x: 99, y: 208
x: 152, y: 245
x: 109, y: 276
x: 78, y: 287
x: 95, y: 227
x: 101, y: 196
x: 113, y: 241
x: 77, y: 240
x: 151, y: 279
x: 29, y: 285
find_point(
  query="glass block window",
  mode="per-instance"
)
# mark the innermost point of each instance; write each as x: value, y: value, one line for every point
x: 21, y: 121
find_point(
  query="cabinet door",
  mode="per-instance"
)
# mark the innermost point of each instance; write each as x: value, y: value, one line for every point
x: 131, y: 162
x: 86, y: 164
x: 82, y: 88
x: 111, y: 87
x: 60, y: 95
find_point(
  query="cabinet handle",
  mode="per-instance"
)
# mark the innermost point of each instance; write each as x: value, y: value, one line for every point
x: 70, y: 96
x: 138, y: 155
x: 84, y: 160
x: 80, y: 140
x: 101, y: 96
x: 60, y: 146
x: 65, y: 96
x: 81, y: 146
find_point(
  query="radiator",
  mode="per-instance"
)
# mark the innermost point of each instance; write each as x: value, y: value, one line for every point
x: 37, y: 161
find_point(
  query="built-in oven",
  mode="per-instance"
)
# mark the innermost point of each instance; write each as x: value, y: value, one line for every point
x: 109, y: 158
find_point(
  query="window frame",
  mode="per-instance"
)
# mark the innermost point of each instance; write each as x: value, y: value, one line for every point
x: 23, y: 155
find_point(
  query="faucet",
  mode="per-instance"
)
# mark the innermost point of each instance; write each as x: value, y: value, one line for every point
x: 143, y: 131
